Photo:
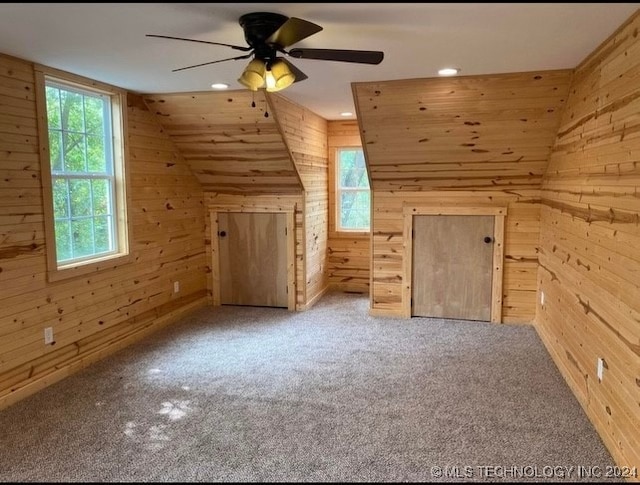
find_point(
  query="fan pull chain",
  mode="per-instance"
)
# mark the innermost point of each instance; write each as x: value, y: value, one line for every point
x: 253, y: 99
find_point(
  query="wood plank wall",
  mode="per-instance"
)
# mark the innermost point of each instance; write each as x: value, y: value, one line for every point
x: 460, y: 141
x: 305, y: 135
x: 95, y: 314
x: 230, y: 146
x: 249, y: 203
x: 349, y: 254
x: 590, y: 239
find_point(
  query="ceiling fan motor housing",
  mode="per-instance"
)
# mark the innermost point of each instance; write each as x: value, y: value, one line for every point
x: 258, y: 27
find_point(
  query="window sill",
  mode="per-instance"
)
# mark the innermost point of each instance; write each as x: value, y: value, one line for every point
x: 352, y: 234
x: 88, y: 267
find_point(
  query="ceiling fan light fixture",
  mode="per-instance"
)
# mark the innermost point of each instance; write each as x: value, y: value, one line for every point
x: 279, y: 76
x: 253, y: 75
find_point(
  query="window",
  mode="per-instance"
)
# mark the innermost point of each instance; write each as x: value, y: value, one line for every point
x: 86, y: 221
x: 354, y: 198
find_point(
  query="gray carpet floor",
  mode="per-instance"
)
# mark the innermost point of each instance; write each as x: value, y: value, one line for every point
x: 331, y: 394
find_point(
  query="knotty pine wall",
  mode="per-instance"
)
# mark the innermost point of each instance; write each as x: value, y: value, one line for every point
x: 471, y: 140
x: 349, y: 254
x: 305, y: 135
x: 231, y: 147
x: 95, y: 314
x: 590, y: 242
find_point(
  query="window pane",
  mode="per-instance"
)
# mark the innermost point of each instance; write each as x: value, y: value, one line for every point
x: 74, y: 151
x: 94, y: 115
x: 101, y: 197
x: 53, y: 107
x: 55, y: 150
x: 96, y: 160
x: 103, y: 234
x: 353, y: 170
x: 355, y: 209
x: 82, y: 235
x: 80, y: 198
x: 72, y: 111
x: 359, y: 160
x: 63, y: 243
x: 60, y: 196
x: 356, y: 178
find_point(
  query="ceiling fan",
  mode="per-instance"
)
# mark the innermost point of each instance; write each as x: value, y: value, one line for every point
x: 268, y: 34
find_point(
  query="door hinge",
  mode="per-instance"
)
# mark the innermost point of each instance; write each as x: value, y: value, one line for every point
x: 285, y: 231
x: 287, y: 289
x: 413, y: 234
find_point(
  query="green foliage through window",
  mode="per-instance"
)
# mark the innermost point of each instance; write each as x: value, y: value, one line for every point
x: 354, y: 196
x: 82, y: 173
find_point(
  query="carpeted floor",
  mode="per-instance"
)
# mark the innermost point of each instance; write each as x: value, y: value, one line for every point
x: 260, y: 394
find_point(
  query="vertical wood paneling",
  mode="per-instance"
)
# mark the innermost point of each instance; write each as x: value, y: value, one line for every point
x: 305, y: 135
x: 92, y: 314
x: 349, y: 254
x: 590, y: 236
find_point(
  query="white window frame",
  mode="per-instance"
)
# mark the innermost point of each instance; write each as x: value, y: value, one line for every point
x: 340, y: 190
x: 119, y: 187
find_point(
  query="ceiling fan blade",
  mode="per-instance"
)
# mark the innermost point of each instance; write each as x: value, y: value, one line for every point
x: 237, y: 47
x: 293, y: 31
x: 215, y: 62
x: 362, y: 57
x: 300, y: 76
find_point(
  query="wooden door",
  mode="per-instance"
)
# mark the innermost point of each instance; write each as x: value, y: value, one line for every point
x: 452, y: 266
x: 253, y: 258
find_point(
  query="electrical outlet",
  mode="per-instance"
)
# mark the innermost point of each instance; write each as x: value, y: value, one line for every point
x: 176, y: 286
x: 48, y: 335
x: 542, y: 297
x: 600, y: 368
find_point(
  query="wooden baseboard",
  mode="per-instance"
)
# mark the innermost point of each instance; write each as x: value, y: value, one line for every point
x: 316, y: 298
x: 377, y: 312
x: 517, y: 321
x: 80, y: 362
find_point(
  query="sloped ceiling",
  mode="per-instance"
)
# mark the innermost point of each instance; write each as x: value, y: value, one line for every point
x: 230, y: 146
x: 464, y: 133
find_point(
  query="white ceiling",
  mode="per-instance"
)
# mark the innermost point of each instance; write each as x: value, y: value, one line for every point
x: 106, y: 41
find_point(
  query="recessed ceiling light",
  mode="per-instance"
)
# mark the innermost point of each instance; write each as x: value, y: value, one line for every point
x: 219, y: 86
x: 449, y: 71
x: 346, y: 113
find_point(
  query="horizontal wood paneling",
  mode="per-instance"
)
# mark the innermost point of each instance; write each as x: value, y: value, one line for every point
x: 463, y: 133
x: 95, y: 313
x: 590, y: 235
x: 465, y: 140
x: 349, y: 255
x: 305, y: 135
x: 230, y: 146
